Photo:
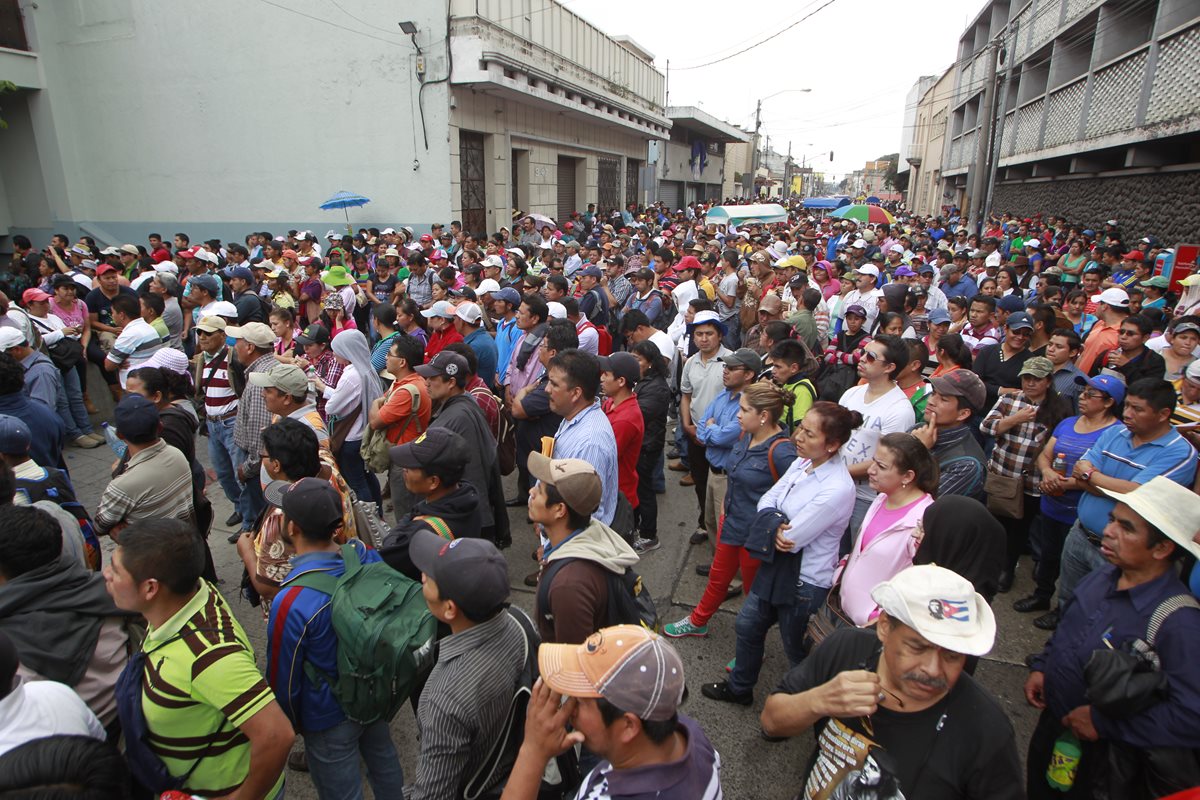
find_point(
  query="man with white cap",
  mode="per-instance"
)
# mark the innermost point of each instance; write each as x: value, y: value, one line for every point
x: 1112, y: 307
x: 1139, y: 590
x: 894, y: 703
x: 468, y: 321
x: 865, y: 293
x: 623, y: 687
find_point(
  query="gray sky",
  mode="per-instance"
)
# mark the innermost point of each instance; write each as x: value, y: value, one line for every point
x: 856, y: 112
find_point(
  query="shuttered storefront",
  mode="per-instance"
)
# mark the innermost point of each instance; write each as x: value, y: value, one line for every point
x: 566, y: 187
x: 671, y: 193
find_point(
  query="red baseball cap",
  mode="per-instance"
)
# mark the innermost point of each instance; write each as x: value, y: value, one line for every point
x: 104, y: 268
x: 1134, y: 255
x: 425, y: 237
x: 189, y: 253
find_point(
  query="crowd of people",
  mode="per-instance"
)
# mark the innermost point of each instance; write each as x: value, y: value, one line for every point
x: 878, y: 421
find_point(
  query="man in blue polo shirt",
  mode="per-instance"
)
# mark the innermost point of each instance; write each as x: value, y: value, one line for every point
x: 958, y: 283
x: 718, y: 429
x: 1121, y: 460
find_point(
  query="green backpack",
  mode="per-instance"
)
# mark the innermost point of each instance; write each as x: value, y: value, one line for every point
x: 385, y: 636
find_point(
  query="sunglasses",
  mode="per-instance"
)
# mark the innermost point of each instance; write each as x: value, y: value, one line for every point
x: 870, y: 356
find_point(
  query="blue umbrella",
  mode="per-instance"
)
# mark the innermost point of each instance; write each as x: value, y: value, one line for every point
x: 345, y: 200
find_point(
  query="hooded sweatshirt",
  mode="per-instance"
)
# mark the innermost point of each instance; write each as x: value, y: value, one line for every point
x: 575, y: 604
x: 459, y: 510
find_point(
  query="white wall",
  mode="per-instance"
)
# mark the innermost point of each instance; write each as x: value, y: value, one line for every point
x: 228, y: 115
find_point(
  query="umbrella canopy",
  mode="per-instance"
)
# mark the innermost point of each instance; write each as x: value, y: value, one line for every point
x: 540, y: 221
x: 345, y: 200
x: 864, y: 213
x: 873, y: 200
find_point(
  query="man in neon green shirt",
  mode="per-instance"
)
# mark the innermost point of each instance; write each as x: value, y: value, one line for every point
x: 209, y: 713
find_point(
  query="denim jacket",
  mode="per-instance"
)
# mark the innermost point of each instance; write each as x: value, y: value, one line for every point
x: 749, y: 478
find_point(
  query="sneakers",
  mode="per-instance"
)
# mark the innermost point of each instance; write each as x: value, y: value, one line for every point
x: 1032, y: 603
x: 732, y: 663
x: 1048, y: 622
x: 699, y: 536
x: 643, y: 545
x: 676, y: 466
x: 87, y: 441
x: 678, y: 630
x: 720, y: 691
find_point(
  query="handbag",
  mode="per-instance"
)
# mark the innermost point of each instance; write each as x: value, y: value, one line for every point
x: 1125, y: 682
x: 65, y: 353
x: 1005, y: 495
x: 827, y: 619
x: 340, y: 429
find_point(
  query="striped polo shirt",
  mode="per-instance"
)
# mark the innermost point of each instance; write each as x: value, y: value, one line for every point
x: 200, y: 685
x: 219, y: 397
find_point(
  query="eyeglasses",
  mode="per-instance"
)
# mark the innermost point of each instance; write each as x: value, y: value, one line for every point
x: 871, y: 356
x: 1093, y: 394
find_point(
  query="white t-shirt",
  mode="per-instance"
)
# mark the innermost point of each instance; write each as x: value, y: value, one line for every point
x: 891, y: 413
x: 37, y: 709
x: 664, y: 344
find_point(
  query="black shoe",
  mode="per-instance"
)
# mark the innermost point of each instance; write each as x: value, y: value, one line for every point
x: 734, y: 591
x: 234, y: 519
x: 1005, y: 584
x: 532, y: 578
x: 515, y: 502
x: 674, y: 454
x: 721, y: 691
x: 1032, y: 603
x: 298, y: 760
x: 699, y: 536
x: 233, y: 537
x: 703, y: 569
x: 1047, y: 622
x: 766, y: 737
x: 504, y: 544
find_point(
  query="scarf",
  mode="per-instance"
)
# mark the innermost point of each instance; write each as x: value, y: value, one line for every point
x: 963, y: 536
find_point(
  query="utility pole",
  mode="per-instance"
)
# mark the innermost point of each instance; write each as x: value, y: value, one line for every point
x: 748, y: 178
x: 983, y: 151
x: 767, y: 163
x: 787, y: 174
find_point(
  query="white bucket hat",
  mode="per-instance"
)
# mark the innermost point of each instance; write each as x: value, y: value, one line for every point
x: 1173, y: 509
x: 941, y: 606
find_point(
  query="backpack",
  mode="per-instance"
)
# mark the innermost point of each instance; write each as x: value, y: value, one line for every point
x: 603, y: 338
x: 561, y: 776
x: 56, y: 488
x: 629, y: 601
x: 506, y: 436
x: 599, y: 314
x: 375, y: 446
x: 385, y: 636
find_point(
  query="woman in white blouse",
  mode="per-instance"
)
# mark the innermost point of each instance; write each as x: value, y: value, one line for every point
x: 347, y: 406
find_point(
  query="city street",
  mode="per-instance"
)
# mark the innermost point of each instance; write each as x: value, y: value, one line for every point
x: 670, y: 574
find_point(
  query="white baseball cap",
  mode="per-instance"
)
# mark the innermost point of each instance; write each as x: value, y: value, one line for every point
x: 487, y: 285
x: 896, y: 248
x: 557, y: 310
x: 492, y: 261
x: 940, y: 605
x: 469, y: 313
x: 1034, y: 243
x: 868, y: 269
x: 1117, y: 298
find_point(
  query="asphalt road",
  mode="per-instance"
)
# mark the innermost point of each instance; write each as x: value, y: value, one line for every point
x: 751, y: 767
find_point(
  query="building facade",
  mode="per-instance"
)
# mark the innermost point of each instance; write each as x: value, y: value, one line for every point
x: 1096, y: 111
x: 925, y: 186
x: 692, y: 165
x: 225, y: 116
x: 911, y: 131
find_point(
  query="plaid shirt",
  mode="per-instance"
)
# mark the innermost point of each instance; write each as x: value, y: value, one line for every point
x: 252, y: 416
x: 1017, y: 449
x: 330, y: 370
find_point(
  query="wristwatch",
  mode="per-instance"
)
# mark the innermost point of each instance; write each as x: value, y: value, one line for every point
x: 1086, y: 476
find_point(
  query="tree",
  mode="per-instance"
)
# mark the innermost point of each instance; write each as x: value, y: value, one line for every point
x: 5, y: 87
x: 900, y: 182
x: 889, y: 177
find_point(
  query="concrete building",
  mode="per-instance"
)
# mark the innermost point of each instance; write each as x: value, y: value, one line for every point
x: 909, y: 133
x: 870, y: 181
x: 1097, y: 111
x: 925, y: 190
x: 140, y: 115
x: 691, y: 165
x: 738, y: 159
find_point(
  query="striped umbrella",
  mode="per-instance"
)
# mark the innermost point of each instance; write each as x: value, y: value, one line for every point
x: 864, y: 213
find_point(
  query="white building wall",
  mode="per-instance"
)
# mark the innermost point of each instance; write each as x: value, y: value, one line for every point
x: 167, y: 113
x: 545, y: 134
x: 909, y: 131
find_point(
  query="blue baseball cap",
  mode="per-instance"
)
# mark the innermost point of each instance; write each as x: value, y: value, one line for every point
x: 508, y: 295
x: 1010, y: 303
x: 14, y: 435
x: 939, y: 316
x: 1111, y: 385
x: 241, y: 272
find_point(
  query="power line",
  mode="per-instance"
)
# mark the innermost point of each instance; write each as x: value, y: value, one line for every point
x: 324, y: 21
x: 760, y: 43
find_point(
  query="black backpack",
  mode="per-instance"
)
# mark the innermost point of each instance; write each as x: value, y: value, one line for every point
x: 629, y: 601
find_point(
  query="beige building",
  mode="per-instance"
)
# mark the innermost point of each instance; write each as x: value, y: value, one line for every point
x: 928, y: 145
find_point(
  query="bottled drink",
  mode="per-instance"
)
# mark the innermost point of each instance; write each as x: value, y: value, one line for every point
x: 1059, y: 464
x: 110, y: 436
x: 1064, y: 762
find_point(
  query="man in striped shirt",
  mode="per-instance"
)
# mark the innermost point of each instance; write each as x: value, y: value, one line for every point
x: 220, y: 409
x: 212, y: 719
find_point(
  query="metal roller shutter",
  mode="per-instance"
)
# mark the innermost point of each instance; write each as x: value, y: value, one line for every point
x: 671, y: 193
x: 566, y: 187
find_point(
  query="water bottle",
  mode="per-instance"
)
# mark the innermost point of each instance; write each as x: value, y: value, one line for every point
x: 110, y: 436
x: 1059, y: 464
x: 1064, y: 762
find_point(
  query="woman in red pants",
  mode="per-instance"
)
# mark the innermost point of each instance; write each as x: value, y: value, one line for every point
x: 760, y: 456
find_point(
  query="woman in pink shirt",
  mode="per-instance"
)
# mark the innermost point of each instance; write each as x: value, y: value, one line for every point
x: 906, y: 477
x: 66, y: 305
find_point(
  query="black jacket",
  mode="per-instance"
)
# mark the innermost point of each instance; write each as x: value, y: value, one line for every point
x: 653, y: 398
x: 460, y: 512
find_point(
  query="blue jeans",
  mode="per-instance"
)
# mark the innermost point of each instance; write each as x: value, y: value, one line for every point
x: 1079, y: 558
x: 225, y: 455
x: 755, y: 619
x: 333, y: 757
x: 69, y: 406
x: 354, y: 470
x: 252, y: 501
